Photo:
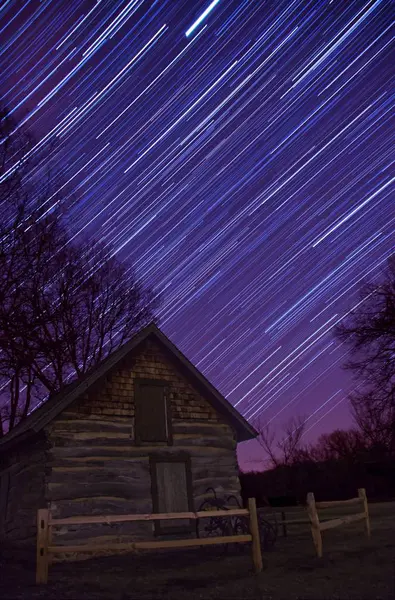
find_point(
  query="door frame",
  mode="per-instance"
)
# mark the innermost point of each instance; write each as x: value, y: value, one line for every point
x: 160, y: 527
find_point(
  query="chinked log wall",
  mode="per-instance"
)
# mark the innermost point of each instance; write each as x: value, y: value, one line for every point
x: 96, y: 468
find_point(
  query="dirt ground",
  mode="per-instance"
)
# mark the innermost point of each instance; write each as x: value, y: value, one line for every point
x: 353, y: 567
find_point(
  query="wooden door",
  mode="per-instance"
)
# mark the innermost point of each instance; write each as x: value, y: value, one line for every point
x: 171, y: 491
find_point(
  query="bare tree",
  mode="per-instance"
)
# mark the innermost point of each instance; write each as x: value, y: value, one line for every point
x: 337, y: 445
x: 369, y: 332
x: 64, y: 305
x: 286, y: 449
x: 23, y: 237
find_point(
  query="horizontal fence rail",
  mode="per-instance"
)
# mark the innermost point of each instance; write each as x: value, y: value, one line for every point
x: 337, y: 503
x: 107, y: 519
x: 46, y: 522
x: 331, y: 523
x: 187, y: 543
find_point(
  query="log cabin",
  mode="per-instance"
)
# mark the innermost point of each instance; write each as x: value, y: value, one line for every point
x: 143, y: 432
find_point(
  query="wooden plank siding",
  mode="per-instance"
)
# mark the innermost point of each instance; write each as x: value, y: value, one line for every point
x: 95, y: 464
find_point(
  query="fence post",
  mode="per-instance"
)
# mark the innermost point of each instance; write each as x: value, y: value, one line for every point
x: 254, y: 529
x: 42, y: 545
x: 315, y: 523
x: 283, y: 523
x: 362, y: 495
x: 50, y: 537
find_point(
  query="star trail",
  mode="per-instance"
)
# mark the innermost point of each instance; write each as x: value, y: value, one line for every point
x: 240, y: 155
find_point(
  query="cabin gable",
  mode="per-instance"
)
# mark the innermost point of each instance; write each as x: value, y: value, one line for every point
x: 115, y: 399
x: 100, y: 463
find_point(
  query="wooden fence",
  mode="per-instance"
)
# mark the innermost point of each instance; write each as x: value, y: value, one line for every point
x: 46, y: 549
x: 317, y: 525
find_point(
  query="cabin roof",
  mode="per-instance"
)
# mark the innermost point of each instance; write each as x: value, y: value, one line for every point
x: 50, y: 409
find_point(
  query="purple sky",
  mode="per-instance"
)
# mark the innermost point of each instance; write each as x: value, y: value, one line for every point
x: 244, y: 169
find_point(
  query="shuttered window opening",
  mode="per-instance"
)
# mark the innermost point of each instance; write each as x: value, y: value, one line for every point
x: 152, y: 415
x: 171, y: 492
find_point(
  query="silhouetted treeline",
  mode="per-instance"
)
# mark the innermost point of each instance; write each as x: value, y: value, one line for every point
x: 287, y: 485
x: 369, y: 333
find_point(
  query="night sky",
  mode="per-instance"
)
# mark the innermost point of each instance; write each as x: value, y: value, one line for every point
x: 239, y: 154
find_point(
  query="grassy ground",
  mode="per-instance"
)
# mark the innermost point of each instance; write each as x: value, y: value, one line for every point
x: 352, y: 567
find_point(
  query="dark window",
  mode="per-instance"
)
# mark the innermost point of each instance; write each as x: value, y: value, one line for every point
x: 171, y: 491
x: 152, y: 416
